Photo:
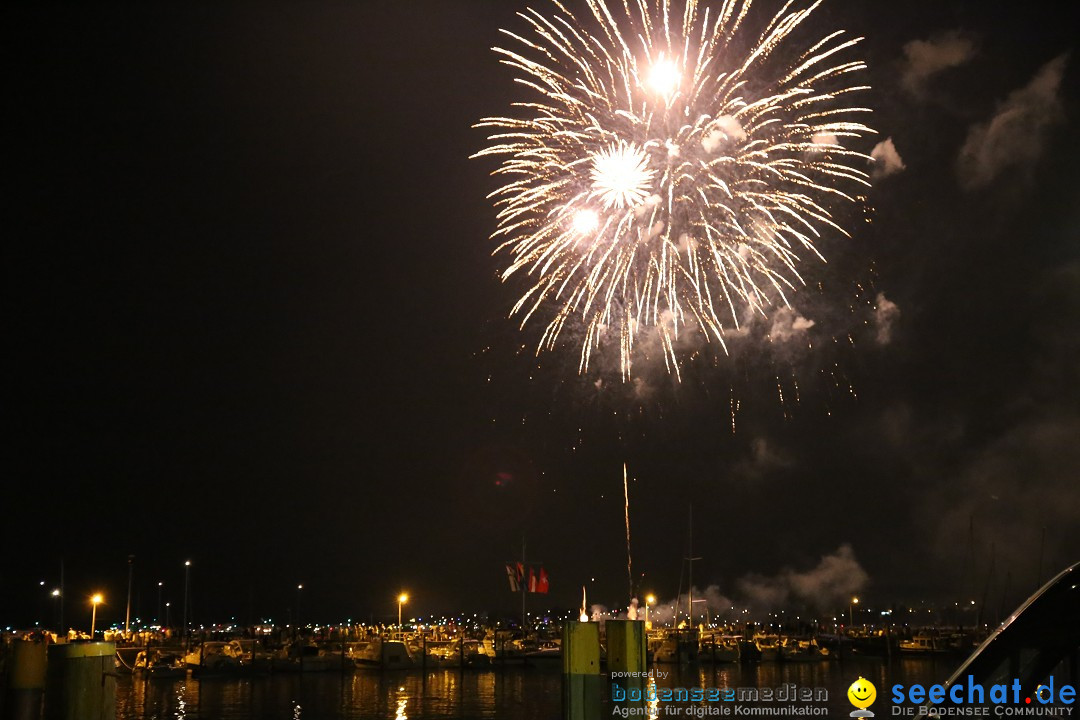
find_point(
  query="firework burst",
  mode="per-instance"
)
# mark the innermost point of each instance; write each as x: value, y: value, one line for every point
x: 670, y: 176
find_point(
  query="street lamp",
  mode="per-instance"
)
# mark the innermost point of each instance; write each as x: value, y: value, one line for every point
x: 851, y: 611
x: 157, y: 616
x: 167, y: 624
x: 187, y: 577
x: 56, y: 604
x: 95, y: 600
x: 649, y: 600
x: 296, y: 632
x: 401, y: 600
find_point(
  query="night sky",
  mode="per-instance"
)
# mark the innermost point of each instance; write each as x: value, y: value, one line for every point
x: 252, y: 319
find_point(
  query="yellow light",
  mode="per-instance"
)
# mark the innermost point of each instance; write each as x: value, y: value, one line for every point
x: 650, y: 599
x: 664, y: 78
x: 855, y: 600
x: 97, y: 599
x: 586, y: 221
x: 403, y: 598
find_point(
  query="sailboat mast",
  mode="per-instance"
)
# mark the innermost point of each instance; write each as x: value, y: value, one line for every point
x: 690, y: 573
x: 523, y: 588
x: 690, y: 559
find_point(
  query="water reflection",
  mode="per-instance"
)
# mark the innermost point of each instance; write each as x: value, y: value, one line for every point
x: 523, y: 693
x: 652, y: 706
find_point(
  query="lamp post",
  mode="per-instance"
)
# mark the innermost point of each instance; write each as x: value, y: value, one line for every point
x: 95, y: 600
x: 851, y: 611
x: 167, y: 606
x: 401, y: 600
x: 56, y: 605
x: 187, y: 577
x: 296, y: 632
x: 157, y: 615
x: 649, y: 600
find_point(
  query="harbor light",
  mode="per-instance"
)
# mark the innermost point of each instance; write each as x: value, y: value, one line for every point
x: 187, y: 594
x: 401, y: 600
x: 650, y: 599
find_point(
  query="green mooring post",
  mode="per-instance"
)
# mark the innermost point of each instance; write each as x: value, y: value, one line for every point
x: 581, y: 670
x: 626, y: 664
x: 626, y: 647
x: 25, y: 681
x: 80, y: 683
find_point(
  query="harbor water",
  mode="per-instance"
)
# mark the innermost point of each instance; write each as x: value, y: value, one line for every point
x: 514, y: 693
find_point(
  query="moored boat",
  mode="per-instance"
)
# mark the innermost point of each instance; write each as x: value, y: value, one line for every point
x: 923, y: 644
x: 768, y: 647
x: 802, y: 650
x: 716, y: 648
x: 215, y: 658
x: 155, y: 664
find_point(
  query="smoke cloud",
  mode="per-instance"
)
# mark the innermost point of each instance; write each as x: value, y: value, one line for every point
x: 886, y: 313
x: 925, y: 58
x: 709, y: 604
x: 1016, y: 134
x: 887, y: 160
x: 727, y: 130
x: 764, y: 457
x: 830, y: 583
x: 788, y: 324
x: 835, y: 578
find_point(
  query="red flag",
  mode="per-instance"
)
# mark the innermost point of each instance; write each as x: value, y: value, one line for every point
x: 542, y: 584
x: 532, y: 580
x: 511, y: 575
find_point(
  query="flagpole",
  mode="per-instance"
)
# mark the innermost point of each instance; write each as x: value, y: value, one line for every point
x: 524, y: 583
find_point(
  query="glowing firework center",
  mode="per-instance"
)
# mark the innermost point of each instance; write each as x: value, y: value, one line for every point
x: 673, y: 175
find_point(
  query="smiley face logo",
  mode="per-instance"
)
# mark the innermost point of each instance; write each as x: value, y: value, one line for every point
x: 862, y: 693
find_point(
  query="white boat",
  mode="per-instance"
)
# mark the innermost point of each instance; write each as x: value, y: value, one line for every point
x: 547, y: 651
x: 478, y: 653
x: 399, y: 652
x: 367, y: 654
x: 923, y: 644
x: 443, y: 653
x: 304, y: 657
x: 155, y: 665
x: 215, y: 658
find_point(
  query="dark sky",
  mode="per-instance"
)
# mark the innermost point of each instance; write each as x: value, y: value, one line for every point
x: 252, y: 319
